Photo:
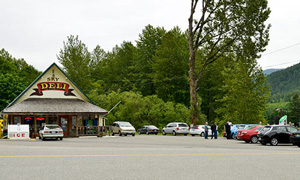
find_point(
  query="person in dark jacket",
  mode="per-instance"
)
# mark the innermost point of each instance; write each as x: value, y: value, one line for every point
x: 227, y: 128
x: 213, y: 130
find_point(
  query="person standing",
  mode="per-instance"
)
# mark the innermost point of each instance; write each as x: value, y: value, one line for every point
x: 227, y: 129
x: 206, y: 130
x: 216, y: 132
x: 213, y: 130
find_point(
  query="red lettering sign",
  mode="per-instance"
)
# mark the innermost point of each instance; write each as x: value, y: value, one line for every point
x: 56, y: 86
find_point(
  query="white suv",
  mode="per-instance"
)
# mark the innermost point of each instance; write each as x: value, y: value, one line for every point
x: 176, y: 128
x: 120, y: 127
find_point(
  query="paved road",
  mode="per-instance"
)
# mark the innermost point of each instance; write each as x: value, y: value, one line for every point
x: 147, y: 157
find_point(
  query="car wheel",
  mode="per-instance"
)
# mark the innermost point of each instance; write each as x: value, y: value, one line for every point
x: 254, y: 139
x: 185, y: 134
x: 120, y: 134
x: 133, y: 134
x: 113, y: 134
x: 155, y: 133
x: 125, y: 134
x: 202, y: 134
x: 247, y: 141
x: 147, y: 133
x: 42, y: 138
x: 193, y: 134
x: 39, y: 136
x: 298, y: 145
x: 164, y: 133
x: 174, y: 133
x: 274, y: 142
x: 61, y: 138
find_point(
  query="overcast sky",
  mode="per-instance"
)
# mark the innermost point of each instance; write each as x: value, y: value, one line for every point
x: 35, y: 29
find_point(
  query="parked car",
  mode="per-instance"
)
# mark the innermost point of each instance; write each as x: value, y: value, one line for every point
x: 235, y: 128
x: 51, y: 131
x: 295, y: 138
x: 199, y: 130
x: 148, y: 129
x: 249, y: 134
x: 176, y: 128
x: 122, y: 128
x: 275, y: 134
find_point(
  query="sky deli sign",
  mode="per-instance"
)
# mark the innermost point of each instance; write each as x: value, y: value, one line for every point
x: 52, y: 86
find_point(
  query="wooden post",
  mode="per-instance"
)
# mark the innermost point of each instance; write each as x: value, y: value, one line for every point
x: 77, y: 125
x: 35, y: 126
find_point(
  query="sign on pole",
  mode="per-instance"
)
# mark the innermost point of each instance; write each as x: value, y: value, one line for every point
x: 283, y: 120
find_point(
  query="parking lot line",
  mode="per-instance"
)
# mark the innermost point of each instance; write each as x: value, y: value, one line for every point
x: 141, y: 155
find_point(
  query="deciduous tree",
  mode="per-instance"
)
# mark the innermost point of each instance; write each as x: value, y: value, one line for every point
x: 222, y: 27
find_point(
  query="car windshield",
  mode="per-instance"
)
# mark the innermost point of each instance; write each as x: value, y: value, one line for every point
x: 182, y: 125
x: 125, y: 124
x: 52, y: 127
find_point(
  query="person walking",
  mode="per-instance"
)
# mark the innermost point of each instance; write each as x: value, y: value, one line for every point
x: 213, y: 130
x: 206, y: 130
x: 227, y: 129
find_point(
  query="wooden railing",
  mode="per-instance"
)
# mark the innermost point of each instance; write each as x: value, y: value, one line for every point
x: 91, y: 130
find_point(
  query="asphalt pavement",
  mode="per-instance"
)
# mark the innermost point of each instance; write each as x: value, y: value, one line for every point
x: 147, y: 157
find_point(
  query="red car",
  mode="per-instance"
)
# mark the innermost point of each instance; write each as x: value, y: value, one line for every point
x: 249, y: 134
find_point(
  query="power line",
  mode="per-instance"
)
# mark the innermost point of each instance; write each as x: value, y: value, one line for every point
x: 281, y: 49
x: 282, y: 64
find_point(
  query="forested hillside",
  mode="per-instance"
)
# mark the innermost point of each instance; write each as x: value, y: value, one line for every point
x: 285, y: 83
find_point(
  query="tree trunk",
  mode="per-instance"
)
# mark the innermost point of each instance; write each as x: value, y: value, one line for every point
x: 193, y: 93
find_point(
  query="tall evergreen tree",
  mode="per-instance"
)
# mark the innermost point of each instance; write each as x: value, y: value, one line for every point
x: 77, y: 62
x: 170, y: 68
x: 147, y: 45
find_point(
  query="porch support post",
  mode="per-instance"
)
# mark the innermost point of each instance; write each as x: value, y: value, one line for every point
x: 35, y: 126
x: 77, y: 125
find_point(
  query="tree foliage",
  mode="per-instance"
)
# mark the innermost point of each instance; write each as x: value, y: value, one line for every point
x: 141, y: 110
x: 294, y: 109
x: 245, y: 94
x: 15, y: 76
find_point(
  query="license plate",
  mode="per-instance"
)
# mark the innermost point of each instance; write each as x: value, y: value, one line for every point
x: 53, y: 132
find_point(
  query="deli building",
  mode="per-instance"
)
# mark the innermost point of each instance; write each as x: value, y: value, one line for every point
x: 53, y: 98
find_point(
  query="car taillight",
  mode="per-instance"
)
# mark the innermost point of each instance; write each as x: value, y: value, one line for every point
x: 60, y: 131
x: 291, y: 135
x: 151, y: 129
x: 46, y: 131
x: 177, y: 128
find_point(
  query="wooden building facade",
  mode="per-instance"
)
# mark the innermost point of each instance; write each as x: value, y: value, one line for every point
x: 53, y: 98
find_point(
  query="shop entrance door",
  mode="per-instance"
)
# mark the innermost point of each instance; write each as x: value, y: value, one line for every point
x: 64, y: 123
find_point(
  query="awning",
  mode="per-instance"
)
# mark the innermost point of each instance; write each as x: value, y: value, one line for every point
x: 54, y: 105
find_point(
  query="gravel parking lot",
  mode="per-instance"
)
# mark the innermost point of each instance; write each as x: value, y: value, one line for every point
x: 147, y: 157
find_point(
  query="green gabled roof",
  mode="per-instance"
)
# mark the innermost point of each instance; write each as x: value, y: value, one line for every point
x: 39, y: 77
